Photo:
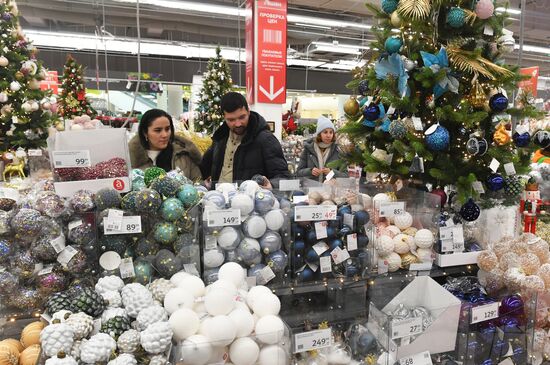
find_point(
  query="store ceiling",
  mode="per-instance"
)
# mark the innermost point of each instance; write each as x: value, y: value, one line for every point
x: 182, y: 24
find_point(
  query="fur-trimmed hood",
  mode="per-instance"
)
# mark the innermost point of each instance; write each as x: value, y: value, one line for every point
x: 181, y: 145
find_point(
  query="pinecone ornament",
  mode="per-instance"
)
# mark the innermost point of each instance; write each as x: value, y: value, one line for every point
x: 58, y: 302
x: 158, y: 360
x: 513, y: 185
x: 109, y: 283
x: 61, y: 359
x: 124, y: 359
x: 156, y: 338
x: 113, y: 312
x: 97, y: 349
x: 136, y: 297
x: 128, y: 342
x: 116, y: 326
x: 112, y: 298
x: 62, y: 315
x: 55, y: 338
x: 159, y: 288
x: 150, y: 315
x: 87, y: 300
x: 82, y: 325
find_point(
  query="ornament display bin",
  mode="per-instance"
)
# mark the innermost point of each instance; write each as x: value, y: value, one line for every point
x: 438, y: 337
x: 104, y: 151
x: 456, y: 259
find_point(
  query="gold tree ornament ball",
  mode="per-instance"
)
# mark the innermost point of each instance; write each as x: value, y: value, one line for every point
x: 351, y: 106
x: 544, y: 273
x: 541, y: 249
x: 533, y: 282
x: 529, y: 263
x: 518, y: 247
x: 408, y: 259
x: 500, y: 248
x: 487, y: 260
x: 509, y: 260
x: 395, y: 19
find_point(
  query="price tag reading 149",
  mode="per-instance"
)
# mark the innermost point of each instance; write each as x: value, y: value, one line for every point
x: 314, y: 213
x: 71, y: 158
x: 312, y: 340
x: 221, y: 218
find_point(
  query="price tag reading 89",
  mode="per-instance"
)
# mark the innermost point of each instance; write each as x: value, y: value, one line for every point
x: 422, y: 358
x: 390, y: 209
x: 130, y: 225
x: 315, y: 213
x: 222, y: 218
x: 312, y: 340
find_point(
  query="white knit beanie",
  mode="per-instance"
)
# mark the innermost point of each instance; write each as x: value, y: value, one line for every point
x: 322, y: 124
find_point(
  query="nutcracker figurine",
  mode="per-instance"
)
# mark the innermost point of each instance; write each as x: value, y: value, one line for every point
x: 530, y: 206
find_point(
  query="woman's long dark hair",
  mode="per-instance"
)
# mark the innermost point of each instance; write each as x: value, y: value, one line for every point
x: 164, y: 159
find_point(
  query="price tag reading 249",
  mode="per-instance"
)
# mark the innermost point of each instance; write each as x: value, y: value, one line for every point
x: 312, y: 340
x: 222, y: 218
x: 308, y: 213
x: 406, y: 327
x: 62, y: 159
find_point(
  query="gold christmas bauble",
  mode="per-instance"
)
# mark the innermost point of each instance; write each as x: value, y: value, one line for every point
x: 395, y: 19
x: 31, y: 334
x: 30, y: 355
x: 407, y: 259
x: 351, y: 106
x: 19, y: 75
x: 501, y: 136
x: 477, y: 96
x: 60, y: 126
x: 8, y: 355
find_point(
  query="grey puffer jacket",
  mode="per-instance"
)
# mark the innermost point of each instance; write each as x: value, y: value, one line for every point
x: 309, y: 160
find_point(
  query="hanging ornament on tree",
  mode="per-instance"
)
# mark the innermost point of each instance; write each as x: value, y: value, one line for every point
x: 398, y: 130
x: 521, y: 140
x: 363, y: 87
x: 395, y: 19
x: 477, y: 97
x: 3, y: 97
x: 485, y: 9
x: 501, y: 136
x: 498, y: 102
x: 441, y: 193
x: 513, y: 185
x: 417, y: 165
x: 477, y: 146
x: 372, y: 112
x: 495, y: 182
x: 408, y: 63
x: 15, y: 86
x: 456, y: 17
x: 389, y: 6
x: 351, y: 106
x: 437, y: 138
x: 393, y: 44
x: 470, y: 211
x: 4, y: 61
x: 542, y: 139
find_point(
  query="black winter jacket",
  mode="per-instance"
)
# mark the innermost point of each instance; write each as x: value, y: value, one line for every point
x: 259, y: 153
x: 309, y: 160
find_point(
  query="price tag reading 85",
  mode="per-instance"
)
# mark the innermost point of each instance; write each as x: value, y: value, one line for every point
x: 315, y: 213
x: 312, y: 340
x: 389, y: 209
x: 406, y: 327
x: 422, y: 358
x: 222, y: 218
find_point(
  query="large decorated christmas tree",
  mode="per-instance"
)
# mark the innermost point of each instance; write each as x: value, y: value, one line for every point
x: 73, y: 100
x: 217, y: 82
x: 434, y: 105
x: 24, y: 109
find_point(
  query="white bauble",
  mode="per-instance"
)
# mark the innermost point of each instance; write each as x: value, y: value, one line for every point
x: 195, y: 350
x: 403, y: 221
x: 109, y: 283
x: 178, y: 298
x: 270, y: 329
x: 219, y: 355
x: 178, y: 277
x: 226, y: 188
x: 275, y: 219
x: 229, y: 238
x: 193, y: 284
x: 255, y: 226
x: 34, y: 105
x: 273, y: 355
x: 424, y: 254
x: 213, y: 258
x: 15, y: 86
x: 3, y: 97
x: 223, y: 284
x: 424, y: 238
x: 26, y: 107
x: 243, y: 202
x: 381, y: 197
x: 402, y: 243
x: 233, y: 272
x: 255, y: 292
x: 244, y: 351
x: 249, y: 187
x: 244, y: 320
x: 184, y: 322
x: 219, y: 302
x: 221, y: 330
x: 4, y: 61
x: 394, y: 262
x: 384, y: 246
x: 393, y: 230
x: 266, y: 304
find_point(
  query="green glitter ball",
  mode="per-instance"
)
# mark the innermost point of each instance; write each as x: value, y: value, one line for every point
x: 165, y: 233
x: 144, y: 271
x: 148, y: 201
x: 165, y: 185
x: 172, y: 209
x: 115, y: 243
x: 107, y: 198
x: 129, y: 201
x: 151, y: 173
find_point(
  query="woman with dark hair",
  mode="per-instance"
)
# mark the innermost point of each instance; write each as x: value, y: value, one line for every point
x: 157, y: 145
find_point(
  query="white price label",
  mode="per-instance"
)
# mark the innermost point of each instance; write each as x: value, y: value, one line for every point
x: 71, y: 158
x: 488, y: 30
x: 9, y: 193
x: 267, y: 274
x: 389, y: 209
x: 326, y: 265
x: 478, y: 187
x: 406, y: 327
x: 289, y: 185
x: 114, y: 220
x: 75, y: 224
x: 312, y: 266
x: 484, y: 312
x: 210, y: 242
x: 339, y: 255
x: 417, y: 122
x: 509, y: 168
x: 299, y: 199
x: 348, y: 220
x: 494, y: 165
x: 520, y: 129
x: 451, y: 246
x: 446, y: 233
x: 35, y: 153
x: 320, y: 248
x: 391, y: 110
x: 312, y: 340
x: 130, y: 225
x: 382, y: 266
x: 315, y: 213
x: 127, y: 268
x: 422, y: 358
x: 48, y: 269
x: 223, y: 217
x: 423, y: 266
x: 458, y: 234
x: 58, y: 244
x: 329, y: 176
x: 352, y: 241
x: 66, y: 255
x: 191, y: 269
x: 321, y: 230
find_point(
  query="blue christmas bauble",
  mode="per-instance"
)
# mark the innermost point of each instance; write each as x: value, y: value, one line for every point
x: 495, y: 182
x: 331, y: 232
x: 249, y: 251
x: 344, y: 209
x: 398, y: 130
x: 188, y: 195
x: 298, y: 232
x: 311, y: 237
x: 498, y: 102
x: 166, y: 263
x: 372, y: 112
x: 470, y: 211
x: 389, y: 6
x: 456, y: 17
x: 335, y: 243
x: 521, y: 140
x: 143, y: 270
x: 165, y: 233
x: 311, y: 256
x: 362, y: 241
x: 165, y: 185
x: 256, y: 271
x: 500, y: 348
x: 299, y: 246
x: 6, y: 249
x: 277, y: 260
x: 107, y: 198
x: 362, y: 217
x: 438, y: 140
x: 366, y: 343
x: 270, y: 242
x: 363, y: 88
x: 393, y: 44
x: 128, y: 202
x: 344, y: 231
x: 264, y: 200
x: 214, y: 198
x: 351, y: 269
x: 172, y: 209
x: 307, y: 274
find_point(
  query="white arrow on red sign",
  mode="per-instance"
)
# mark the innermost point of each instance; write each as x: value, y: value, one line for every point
x: 271, y: 94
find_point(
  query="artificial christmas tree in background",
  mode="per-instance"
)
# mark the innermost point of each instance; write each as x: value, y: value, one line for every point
x: 25, y: 110
x: 217, y: 82
x: 432, y: 107
x: 73, y: 100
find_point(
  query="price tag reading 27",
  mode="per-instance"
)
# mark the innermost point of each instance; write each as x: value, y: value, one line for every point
x: 222, y: 218
x: 312, y: 340
x: 308, y: 213
x: 406, y: 327
x: 63, y: 159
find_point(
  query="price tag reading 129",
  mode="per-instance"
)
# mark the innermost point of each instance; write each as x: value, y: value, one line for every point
x: 312, y: 340
x: 221, y: 218
x: 406, y: 327
x: 62, y: 159
x: 314, y: 213
x: 484, y: 312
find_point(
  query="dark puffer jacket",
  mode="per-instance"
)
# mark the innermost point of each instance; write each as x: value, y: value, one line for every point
x: 259, y: 153
x: 309, y: 160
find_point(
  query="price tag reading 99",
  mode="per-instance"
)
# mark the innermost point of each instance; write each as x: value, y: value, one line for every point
x: 406, y: 327
x: 312, y: 340
x: 64, y: 159
x: 315, y: 213
x: 222, y: 218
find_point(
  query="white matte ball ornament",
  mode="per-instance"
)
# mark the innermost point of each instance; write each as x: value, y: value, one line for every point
x: 196, y: 350
x: 424, y: 238
x: 229, y: 238
x: 193, y: 284
x: 184, y: 322
x: 243, y: 202
x: 3, y: 97
x: 26, y: 106
x: 223, y: 284
x: 424, y: 254
x: 265, y: 305
x: 178, y: 298
x: 219, y: 302
x: 381, y: 197
x: 403, y: 221
x: 402, y: 243
x: 394, y: 262
x: 178, y: 277
x: 384, y: 246
x: 255, y: 226
x: 244, y: 351
x: 273, y: 355
x: 4, y: 61
x: 275, y: 219
x: 256, y: 292
x: 249, y: 187
x: 270, y: 329
x: 244, y: 320
x: 213, y: 258
x: 226, y: 188
x: 15, y: 86
x: 233, y: 272
x: 220, y: 330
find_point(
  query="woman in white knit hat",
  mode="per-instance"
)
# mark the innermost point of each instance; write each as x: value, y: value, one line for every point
x: 319, y: 152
